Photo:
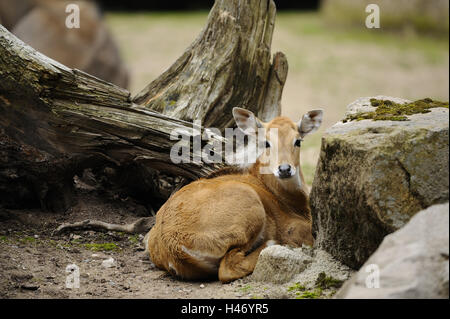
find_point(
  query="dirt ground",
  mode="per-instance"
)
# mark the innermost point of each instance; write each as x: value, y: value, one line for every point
x: 33, y: 261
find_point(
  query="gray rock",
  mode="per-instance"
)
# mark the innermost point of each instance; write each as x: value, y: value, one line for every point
x: 108, y: 263
x: 373, y: 176
x: 412, y: 262
x: 279, y: 264
x: 322, y: 263
x: 282, y: 264
x: 29, y: 286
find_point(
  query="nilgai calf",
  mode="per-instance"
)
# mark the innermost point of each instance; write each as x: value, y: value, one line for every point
x: 218, y: 226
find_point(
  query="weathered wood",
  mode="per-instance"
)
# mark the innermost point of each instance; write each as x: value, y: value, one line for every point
x: 67, y: 119
x: 228, y: 65
x: 57, y: 121
x: 66, y: 111
x: 271, y: 106
x: 139, y: 226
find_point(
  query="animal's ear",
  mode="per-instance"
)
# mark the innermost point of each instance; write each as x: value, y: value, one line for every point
x: 310, y: 122
x: 246, y: 121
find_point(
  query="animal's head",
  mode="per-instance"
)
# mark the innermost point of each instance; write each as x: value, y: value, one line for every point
x: 282, y: 139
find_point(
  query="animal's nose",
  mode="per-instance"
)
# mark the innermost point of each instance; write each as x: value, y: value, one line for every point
x: 284, y: 170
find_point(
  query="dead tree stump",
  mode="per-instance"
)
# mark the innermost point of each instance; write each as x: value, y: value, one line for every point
x: 57, y: 121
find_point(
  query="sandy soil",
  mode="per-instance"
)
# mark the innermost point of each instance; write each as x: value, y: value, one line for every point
x: 33, y: 261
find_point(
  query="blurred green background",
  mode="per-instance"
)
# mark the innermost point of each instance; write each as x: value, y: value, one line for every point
x: 333, y: 59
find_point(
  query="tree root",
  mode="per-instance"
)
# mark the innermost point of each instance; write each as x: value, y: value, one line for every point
x: 142, y: 225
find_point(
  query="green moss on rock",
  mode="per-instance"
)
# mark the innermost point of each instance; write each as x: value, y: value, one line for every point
x: 387, y: 110
x: 317, y: 293
x: 296, y: 287
x: 325, y: 282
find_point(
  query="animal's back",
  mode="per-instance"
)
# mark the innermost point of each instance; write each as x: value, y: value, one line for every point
x: 205, y: 214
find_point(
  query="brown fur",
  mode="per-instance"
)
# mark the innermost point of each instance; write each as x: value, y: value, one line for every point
x: 232, y: 170
x: 218, y: 226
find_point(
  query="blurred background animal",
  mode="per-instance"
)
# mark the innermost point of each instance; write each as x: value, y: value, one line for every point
x: 90, y: 48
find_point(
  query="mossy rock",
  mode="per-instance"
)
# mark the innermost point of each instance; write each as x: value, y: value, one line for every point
x: 373, y: 176
x: 315, y: 294
x: 279, y: 264
x: 387, y: 110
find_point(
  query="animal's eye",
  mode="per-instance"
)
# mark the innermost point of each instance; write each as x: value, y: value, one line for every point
x: 267, y: 144
x: 298, y: 142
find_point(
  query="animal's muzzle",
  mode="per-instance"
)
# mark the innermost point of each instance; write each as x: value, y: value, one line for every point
x: 284, y: 171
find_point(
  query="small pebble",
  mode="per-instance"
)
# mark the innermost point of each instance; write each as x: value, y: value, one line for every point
x: 29, y: 286
x: 108, y: 263
x: 202, y: 286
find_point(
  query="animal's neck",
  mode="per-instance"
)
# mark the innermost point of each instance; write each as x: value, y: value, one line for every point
x: 291, y: 192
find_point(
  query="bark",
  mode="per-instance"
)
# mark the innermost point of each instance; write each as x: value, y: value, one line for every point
x: 228, y: 65
x: 140, y: 226
x: 272, y: 103
x: 57, y: 121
